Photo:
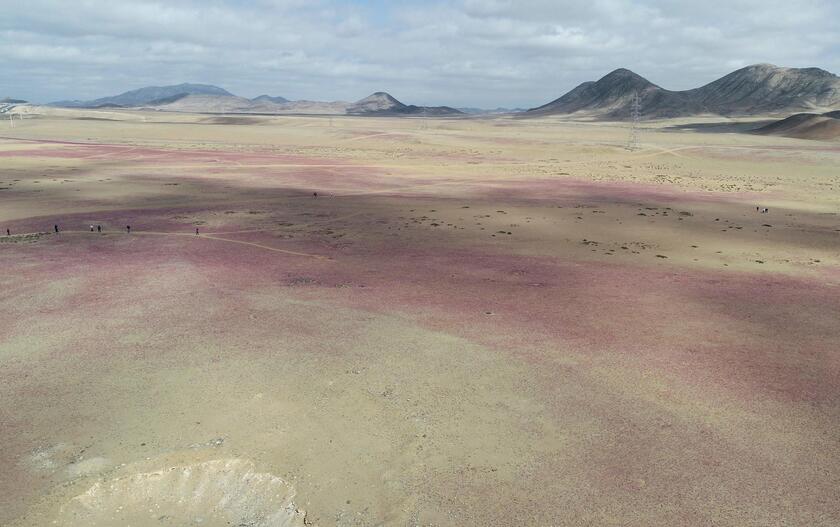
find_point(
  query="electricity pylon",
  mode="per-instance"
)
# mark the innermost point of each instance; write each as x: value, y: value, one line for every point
x: 635, y: 116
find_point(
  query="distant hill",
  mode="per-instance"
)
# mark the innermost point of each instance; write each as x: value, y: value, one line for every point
x: 9, y: 100
x: 316, y: 107
x: 486, y: 111
x: 205, y: 103
x: 754, y: 90
x: 145, y: 96
x: 377, y: 104
x: 381, y: 103
x: 825, y: 127
x: 234, y: 104
x: 204, y: 98
x: 269, y: 98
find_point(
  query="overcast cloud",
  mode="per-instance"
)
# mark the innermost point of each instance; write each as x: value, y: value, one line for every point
x: 459, y: 52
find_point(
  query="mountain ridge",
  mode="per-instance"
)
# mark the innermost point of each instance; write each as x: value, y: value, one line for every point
x: 752, y: 90
x: 145, y: 95
x: 205, y: 98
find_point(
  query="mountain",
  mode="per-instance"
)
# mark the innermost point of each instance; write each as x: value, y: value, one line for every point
x: 765, y: 88
x: 611, y: 97
x: 269, y: 98
x: 381, y: 103
x: 758, y: 89
x: 145, y: 96
x: 9, y: 100
x: 824, y: 127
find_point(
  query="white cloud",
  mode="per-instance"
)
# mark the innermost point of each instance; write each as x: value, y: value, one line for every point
x: 457, y: 52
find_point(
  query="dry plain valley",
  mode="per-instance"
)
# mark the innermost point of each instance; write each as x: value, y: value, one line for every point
x: 363, y: 321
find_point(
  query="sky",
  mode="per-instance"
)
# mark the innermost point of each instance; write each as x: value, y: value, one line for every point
x: 479, y: 53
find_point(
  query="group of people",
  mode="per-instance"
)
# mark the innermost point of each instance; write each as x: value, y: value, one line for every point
x: 762, y: 210
x: 128, y: 227
x: 92, y: 227
x: 98, y: 229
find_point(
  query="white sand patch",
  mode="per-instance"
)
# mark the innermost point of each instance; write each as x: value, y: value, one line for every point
x: 87, y: 467
x: 48, y: 459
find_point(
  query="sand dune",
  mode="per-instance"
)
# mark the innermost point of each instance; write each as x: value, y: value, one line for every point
x: 825, y: 127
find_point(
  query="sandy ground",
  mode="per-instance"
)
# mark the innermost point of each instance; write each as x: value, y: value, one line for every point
x: 476, y: 322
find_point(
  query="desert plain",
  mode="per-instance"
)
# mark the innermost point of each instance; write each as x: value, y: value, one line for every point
x: 476, y: 321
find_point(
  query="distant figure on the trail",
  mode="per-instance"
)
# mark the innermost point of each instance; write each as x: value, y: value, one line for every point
x: 8, y: 232
x: 99, y: 228
x: 757, y: 209
x: 91, y: 228
x: 56, y: 228
x: 314, y: 194
x: 128, y: 229
x: 196, y: 231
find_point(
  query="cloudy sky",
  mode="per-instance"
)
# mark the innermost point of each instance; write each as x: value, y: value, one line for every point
x: 484, y: 53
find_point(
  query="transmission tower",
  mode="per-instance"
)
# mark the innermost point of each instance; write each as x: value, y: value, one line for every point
x: 635, y: 117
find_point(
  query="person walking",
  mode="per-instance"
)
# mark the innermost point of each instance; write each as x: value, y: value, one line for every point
x: 8, y: 232
x: 128, y: 229
x: 56, y: 228
x: 196, y: 231
x: 99, y: 228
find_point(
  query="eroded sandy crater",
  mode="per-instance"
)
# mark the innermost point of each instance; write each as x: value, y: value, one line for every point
x: 220, y: 492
